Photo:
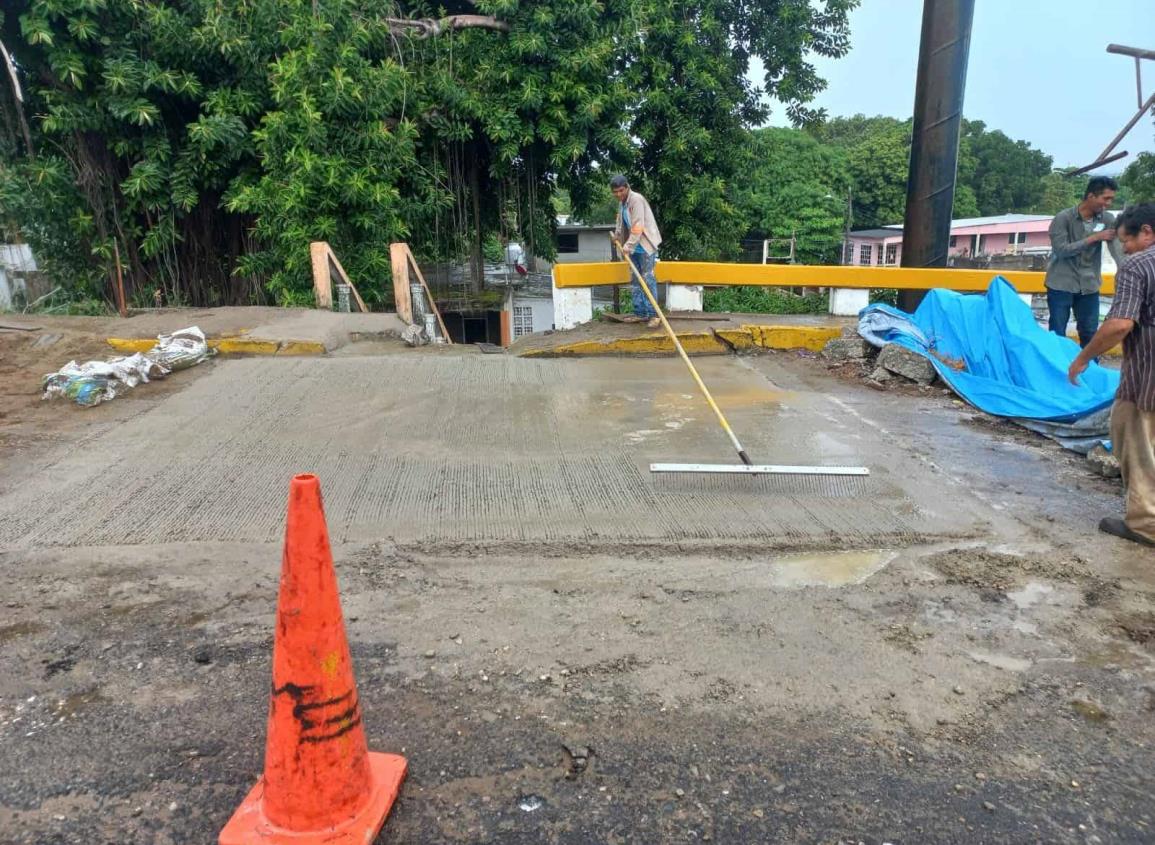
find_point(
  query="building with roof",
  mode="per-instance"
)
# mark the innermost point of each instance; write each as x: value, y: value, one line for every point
x: 1004, y: 234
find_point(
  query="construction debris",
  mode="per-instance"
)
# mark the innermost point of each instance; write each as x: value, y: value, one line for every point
x: 1103, y: 462
x: 847, y: 349
x: 180, y: 350
x: 906, y: 363
x: 94, y: 382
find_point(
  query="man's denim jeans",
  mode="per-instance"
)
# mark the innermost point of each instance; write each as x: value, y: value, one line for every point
x: 1086, y: 307
x: 645, y: 264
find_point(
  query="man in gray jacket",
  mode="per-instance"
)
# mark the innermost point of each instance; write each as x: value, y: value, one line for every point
x: 1074, y: 275
x: 637, y: 232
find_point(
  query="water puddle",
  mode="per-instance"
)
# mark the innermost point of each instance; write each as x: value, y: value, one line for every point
x: 643, y: 434
x: 832, y: 569
x: 739, y: 397
x: 1030, y: 595
x: 1001, y: 661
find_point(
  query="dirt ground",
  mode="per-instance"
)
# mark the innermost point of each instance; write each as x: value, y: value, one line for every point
x: 673, y: 661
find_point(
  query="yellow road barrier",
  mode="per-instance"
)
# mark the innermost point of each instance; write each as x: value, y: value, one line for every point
x: 800, y: 275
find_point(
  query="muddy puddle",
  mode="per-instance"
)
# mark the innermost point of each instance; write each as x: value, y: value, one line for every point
x: 786, y: 572
x: 831, y: 569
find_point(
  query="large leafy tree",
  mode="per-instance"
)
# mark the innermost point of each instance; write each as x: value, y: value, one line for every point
x: 796, y: 187
x: 1138, y: 179
x: 877, y: 152
x: 694, y: 102
x: 1005, y: 175
x: 996, y: 174
x: 208, y: 142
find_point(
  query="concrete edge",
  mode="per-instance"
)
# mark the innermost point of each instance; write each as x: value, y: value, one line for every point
x: 711, y: 342
x: 230, y: 346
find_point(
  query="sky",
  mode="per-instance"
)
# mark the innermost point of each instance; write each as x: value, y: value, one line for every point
x: 1039, y: 71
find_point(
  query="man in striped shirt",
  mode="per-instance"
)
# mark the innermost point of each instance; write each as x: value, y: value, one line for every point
x: 1132, y: 321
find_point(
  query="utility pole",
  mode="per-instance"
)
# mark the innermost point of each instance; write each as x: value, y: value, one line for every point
x: 938, y: 105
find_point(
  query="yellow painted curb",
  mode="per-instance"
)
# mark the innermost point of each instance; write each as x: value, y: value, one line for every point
x: 130, y: 345
x: 739, y: 340
x: 244, y: 346
x: 700, y: 343
x: 794, y: 337
x: 301, y: 347
x: 230, y: 346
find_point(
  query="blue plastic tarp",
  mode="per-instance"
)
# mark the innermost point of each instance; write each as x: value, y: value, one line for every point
x: 993, y: 353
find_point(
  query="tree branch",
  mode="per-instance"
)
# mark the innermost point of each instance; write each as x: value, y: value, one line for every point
x: 432, y: 27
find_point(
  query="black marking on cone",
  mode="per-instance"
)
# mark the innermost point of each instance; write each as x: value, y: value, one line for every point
x: 312, y: 728
x: 341, y: 732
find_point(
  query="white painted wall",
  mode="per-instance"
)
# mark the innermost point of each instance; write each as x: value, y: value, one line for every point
x: 847, y: 302
x: 683, y: 297
x: 540, y: 314
x: 572, y: 306
x: 593, y: 246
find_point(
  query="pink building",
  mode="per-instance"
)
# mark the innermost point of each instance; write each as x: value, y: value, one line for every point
x: 1007, y: 234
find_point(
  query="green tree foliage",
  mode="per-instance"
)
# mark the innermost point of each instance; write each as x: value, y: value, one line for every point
x: 212, y: 141
x: 336, y: 163
x: 996, y: 175
x: 796, y: 187
x: 1138, y: 179
x: 1005, y: 175
x: 694, y: 103
x: 1060, y: 191
x: 877, y: 152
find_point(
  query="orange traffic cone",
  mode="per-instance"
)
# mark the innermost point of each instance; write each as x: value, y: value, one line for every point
x: 321, y: 784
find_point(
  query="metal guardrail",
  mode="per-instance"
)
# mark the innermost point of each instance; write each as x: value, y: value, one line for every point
x: 803, y: 275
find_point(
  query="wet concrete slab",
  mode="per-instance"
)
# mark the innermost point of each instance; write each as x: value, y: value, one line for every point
x: 748, y: 671
x: 457, y: 448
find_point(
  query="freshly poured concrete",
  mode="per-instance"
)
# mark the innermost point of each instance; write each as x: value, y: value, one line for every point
x: 945, y: 652
x: 443, y: 449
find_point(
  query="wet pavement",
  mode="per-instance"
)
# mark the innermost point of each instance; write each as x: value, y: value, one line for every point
x: 567, y: 649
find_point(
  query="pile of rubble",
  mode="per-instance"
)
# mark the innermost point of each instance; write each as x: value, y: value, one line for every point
x: 893, y: 363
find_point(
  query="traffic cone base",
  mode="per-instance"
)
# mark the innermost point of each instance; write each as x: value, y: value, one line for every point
x: 248, y: 826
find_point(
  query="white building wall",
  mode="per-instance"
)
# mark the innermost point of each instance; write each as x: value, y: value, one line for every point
x: 530, y: 314
x: 593, y: 246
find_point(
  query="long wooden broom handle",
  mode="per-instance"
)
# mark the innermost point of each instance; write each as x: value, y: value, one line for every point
x: 678, y: 345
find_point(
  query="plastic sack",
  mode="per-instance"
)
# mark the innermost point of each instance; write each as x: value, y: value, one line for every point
x: 94, y: 382
x: 180, y: 350
x: 81, y: 389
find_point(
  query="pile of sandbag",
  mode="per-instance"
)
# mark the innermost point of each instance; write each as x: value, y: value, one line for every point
x: 94, y: 382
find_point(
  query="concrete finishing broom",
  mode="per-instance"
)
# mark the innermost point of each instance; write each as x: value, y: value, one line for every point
x: 747, y: 466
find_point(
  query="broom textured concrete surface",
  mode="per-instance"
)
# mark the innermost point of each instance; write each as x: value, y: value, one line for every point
x: 566, y: 648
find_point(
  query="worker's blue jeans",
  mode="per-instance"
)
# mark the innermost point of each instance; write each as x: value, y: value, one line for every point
x: 1060, y: 303
x: 645, y: 265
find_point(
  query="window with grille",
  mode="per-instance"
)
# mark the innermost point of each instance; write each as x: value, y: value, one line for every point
x: 1017, y: 238
x: 522, y: 320
x: 864, y: 253
x: 892, y: 253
